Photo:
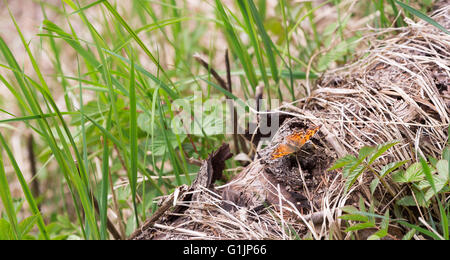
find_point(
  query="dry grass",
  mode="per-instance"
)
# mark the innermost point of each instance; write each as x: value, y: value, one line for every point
x: 397, y: 90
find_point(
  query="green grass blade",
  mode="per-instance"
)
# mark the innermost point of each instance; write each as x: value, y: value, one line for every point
x: 133, y: 140
x: 103, y: 207
x: 254, y: 41
x: 57, y: 64
x: 44, y: 90
x: 266, y: 40
x: 399, y: 22
x: 92, y: 61
x: 236, y: 45
x: 26, y: 190
x: 122, y: 147
x: 5, y: 195
x: 34, y: 117
x: 136, y: 38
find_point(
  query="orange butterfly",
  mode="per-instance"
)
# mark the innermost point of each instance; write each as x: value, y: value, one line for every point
x: 294, y: 142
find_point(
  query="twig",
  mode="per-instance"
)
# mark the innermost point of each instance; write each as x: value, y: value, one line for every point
x: 232, y: 107
x: 213, y: 72
x: 35, y: 181
x: 224, y: 85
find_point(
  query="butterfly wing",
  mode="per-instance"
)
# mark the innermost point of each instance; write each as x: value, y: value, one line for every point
x: 294, y: 142
x: 282, y: 150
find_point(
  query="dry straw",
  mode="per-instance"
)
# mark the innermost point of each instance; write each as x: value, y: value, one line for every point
x: 397, y: 90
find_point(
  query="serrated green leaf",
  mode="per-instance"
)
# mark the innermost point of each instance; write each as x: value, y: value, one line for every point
x: 26, y: 225
x: 365, y: 152
x: 414, y: 173
x: 336, y: 53
x: 388, y: 168
x: 406, y: 201
x: 212, y: 125
x: 373, y: 185
x: 353, y: 175
x: 381, y: 149
x: 409, y: 200
x: 399, y: 177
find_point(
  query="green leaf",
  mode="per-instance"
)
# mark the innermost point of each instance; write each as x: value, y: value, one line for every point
x: 6, y: 198
x: 6, y: 232
x: 428, y: 174
x: 212, y: 125
x: 343, y: 162
x: 409, y: 235
x: 439, y: 182
x: 144, y: 122
x: 355, y: 217
x: 352, y: 175
x: 350, y: 209
x: 133, y: 140
x: 399, y: 177
x: 384, y: 228
x: 414, y: 173
x: 365, y: 152
x: 138, y: 40
x: 422, y: 16
x: 236, y: 45
x: 406, y: 201
x: 409, y: 200
x: 442, y: 169
x: 377, y: 235
x: 446, y: 153
x: 421, y: 230
x: 360, y: 226
x: 26, y: 190
x: 385, y: 221
x: 373, y: 185
x: 388, y: 168
x: 92, y: 109
x: 336, y: 53
x: 159, y: 146
x: 26, y: 225
x: 265, y: 39
x: 381, y: 149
